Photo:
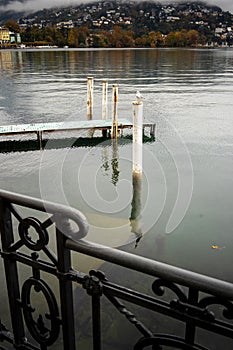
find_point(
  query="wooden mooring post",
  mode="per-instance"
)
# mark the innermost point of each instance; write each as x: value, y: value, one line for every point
x: 137, y: 138
x: 114, y: 131
x: 137, y: 169
x: 105, y: 100
x: 90, y: 88
x: 104, y: 104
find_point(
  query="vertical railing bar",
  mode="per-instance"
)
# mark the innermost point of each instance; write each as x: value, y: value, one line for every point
x: 96, y: 322
x: 190, y: 329
x: 14, y: 212
x: 65, y: 285
x: 11, y: 273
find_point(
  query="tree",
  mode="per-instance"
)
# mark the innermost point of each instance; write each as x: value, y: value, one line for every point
x: 72, y: 39
x: 99, y: 40
x: 181, y: 38
x: 119, y: 37
x: 192, y: 37
x: 82, y: 34
x: 141, y: 41
x: 170, y: 39
x: 12, y: 26
x: 155, y: 39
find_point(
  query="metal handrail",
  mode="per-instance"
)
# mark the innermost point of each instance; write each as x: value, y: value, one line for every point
x: 113, y: 255
x: 52, y: 208
x: 154, y: 268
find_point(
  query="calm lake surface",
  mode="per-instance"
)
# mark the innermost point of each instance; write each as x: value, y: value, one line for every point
x: 186, y: 200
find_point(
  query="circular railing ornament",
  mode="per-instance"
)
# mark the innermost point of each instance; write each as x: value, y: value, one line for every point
x: 37, y: 328
x: 43, y: 237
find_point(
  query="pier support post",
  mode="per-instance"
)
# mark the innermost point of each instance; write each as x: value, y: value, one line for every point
x: 152, y: 131
x: 90, y: 87
x: 39, y: 139
x: 114, y: 130
x: 105, y: 104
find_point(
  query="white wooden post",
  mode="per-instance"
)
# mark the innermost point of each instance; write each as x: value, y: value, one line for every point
x: 90, y: 87
x: 105, y: 100
x: 114, y: 131
x: 105, y: 105
x: 137, y: 137
x: 137, y: 168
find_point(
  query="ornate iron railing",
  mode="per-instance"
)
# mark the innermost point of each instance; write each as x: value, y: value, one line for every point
x: 26, y: 241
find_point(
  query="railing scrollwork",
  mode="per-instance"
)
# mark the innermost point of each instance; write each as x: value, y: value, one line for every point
x: 195, y: 300
x: 37, y: 328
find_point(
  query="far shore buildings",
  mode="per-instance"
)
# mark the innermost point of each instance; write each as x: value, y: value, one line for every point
x: 8, y: 37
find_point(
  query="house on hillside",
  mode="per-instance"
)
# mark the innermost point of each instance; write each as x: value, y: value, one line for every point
x: 4, y: 35
x: 8, y: 37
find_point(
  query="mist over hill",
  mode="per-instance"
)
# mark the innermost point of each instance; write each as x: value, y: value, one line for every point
x: 16, y: 9
x: 30, y: 6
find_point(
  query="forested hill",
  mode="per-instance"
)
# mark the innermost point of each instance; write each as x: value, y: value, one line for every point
x: 135, y: 15
x: 136, y: 20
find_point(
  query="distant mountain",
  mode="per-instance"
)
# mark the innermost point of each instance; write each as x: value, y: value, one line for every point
x: 144, y: 14
x: 9, y: 14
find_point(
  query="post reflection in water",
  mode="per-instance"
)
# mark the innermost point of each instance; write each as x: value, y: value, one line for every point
x: 110, y: 166
x: 105, y: 159
x: 136, y: 206
x: 115, y: 162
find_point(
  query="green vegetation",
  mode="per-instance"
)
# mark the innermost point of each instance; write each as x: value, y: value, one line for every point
x: 116, y: 38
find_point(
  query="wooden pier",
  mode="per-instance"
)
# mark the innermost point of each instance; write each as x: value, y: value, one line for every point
x: 93, y: 125
x: 115, y: 125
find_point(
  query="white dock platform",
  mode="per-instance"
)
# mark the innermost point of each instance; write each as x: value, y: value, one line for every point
x: 93, y: 125
x: 62, y: 126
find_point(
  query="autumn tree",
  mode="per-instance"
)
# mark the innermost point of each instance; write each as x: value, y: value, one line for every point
x: 119, y: 37
x: 155, y: 39
x: 192, y: 37
x: 72, y: 40
x: 141, y: 41
x: 99, y: 40
x: 170, y: 39
x: 12, y: 26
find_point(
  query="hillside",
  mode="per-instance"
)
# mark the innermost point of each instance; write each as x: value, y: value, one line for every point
x: 60, y: 25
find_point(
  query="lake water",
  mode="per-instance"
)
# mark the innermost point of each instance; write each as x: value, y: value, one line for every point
x: 186, y: 200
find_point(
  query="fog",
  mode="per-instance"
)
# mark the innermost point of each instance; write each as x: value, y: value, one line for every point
x: 34, y: 5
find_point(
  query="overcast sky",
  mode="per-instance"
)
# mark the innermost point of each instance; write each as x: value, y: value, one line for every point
x: 31, y: 5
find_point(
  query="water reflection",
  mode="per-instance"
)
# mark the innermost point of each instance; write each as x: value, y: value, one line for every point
x: 115, y: 162
x: 192, y: 89
x: 6, y: 60
x: 136, y: 207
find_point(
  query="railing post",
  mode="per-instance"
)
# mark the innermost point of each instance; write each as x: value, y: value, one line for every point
x: 11, y: 273
x: 114, y: 131
x: 96, y: 322
x: 66, y: 292
x: 190, y: 327
x: 90, y: 87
